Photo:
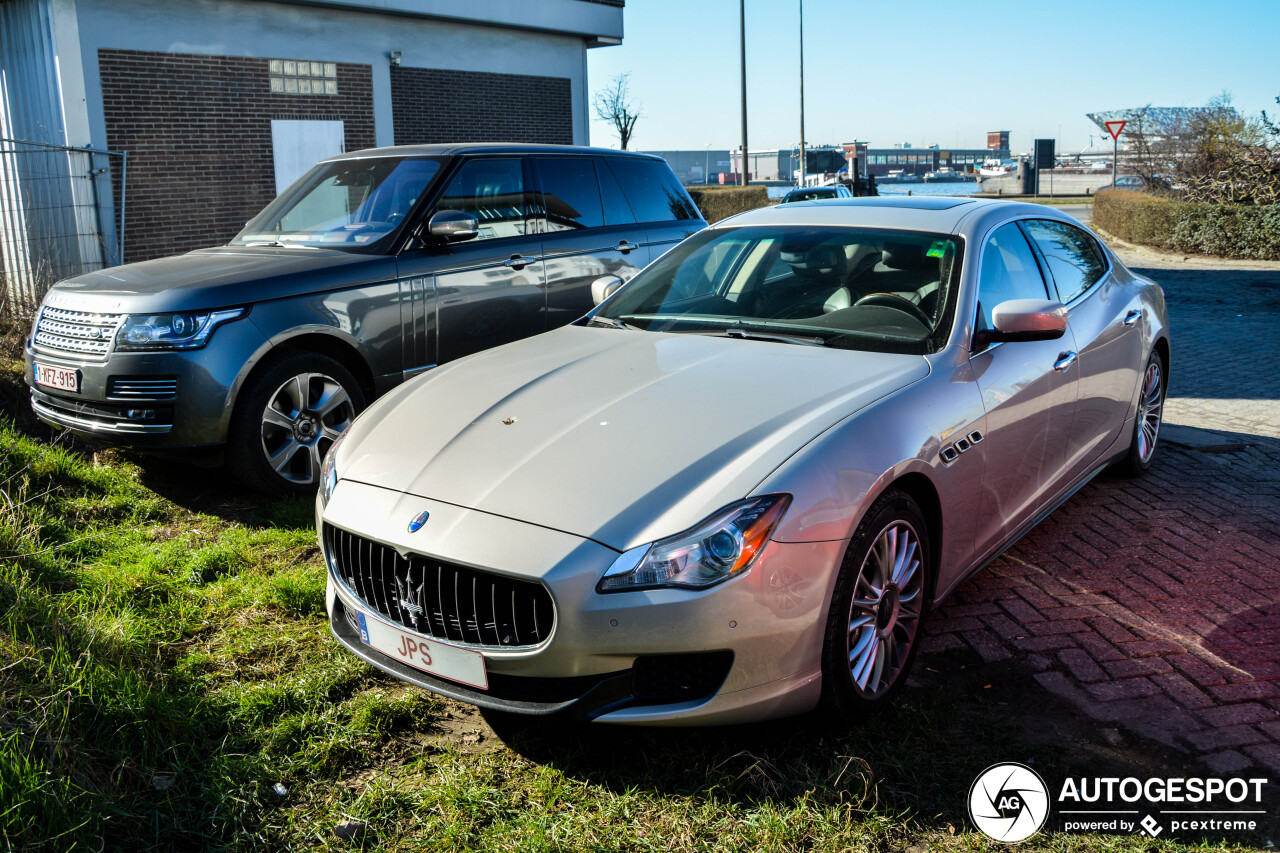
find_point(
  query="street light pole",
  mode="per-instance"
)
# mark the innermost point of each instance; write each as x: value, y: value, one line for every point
x: 803, y: 172
x: 742, y: 18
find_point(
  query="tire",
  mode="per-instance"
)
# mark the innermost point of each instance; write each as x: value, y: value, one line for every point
x: 873, y: 627
x: 1147, y: 420
x: 287, y: 417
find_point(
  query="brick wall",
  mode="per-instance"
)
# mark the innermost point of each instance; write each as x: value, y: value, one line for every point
x: 436, y: 105
x: 198, y: 133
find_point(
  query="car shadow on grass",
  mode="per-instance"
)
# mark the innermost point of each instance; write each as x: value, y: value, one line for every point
x: 918, y: 758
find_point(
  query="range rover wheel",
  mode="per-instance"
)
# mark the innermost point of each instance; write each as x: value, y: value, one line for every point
x: 873, y: 627
x: 288, y: 416
x: 1147, y: 420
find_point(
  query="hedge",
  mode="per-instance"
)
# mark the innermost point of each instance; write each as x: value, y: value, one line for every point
x: 717, y: 202
x: 1225, y: 230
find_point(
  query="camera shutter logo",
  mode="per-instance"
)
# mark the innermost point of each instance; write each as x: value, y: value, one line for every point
x: 1009, y: 802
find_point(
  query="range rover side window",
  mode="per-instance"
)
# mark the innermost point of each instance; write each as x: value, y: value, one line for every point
x: 1073, y: 259
x: 654, y: 193
x: 616, y: 209
x: 570, y: 192
x: 492, y: 191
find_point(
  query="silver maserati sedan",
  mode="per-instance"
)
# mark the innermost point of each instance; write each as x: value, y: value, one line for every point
x: 735, y: 488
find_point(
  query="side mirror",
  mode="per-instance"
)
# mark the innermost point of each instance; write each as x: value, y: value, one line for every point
x: 604, y: 287
x: 1025, y: 320
x: 453, y: 226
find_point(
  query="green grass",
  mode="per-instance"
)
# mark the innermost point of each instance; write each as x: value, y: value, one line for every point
x: 165, y: 664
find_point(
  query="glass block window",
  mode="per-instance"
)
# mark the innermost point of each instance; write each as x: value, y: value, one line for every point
x: 303, y: 77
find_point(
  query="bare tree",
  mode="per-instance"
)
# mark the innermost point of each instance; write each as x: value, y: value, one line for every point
x: 613, y: 104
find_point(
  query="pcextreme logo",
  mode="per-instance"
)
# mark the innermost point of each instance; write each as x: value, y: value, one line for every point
x: 1009, y: 802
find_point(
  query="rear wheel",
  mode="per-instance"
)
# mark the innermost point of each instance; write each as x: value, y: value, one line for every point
x: 873, y: 626
x: 288, y: 416
x: 1149, y: 417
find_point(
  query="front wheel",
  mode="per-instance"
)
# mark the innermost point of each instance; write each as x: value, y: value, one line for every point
x: 873, y: 626
x: 288, y: 416
x: 1147, y: 421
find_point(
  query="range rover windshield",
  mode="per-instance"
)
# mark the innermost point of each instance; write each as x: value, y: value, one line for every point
x: 853, y: 288
x: 343, y: 204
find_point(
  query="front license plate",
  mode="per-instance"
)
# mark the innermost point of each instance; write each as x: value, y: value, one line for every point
x: 62, y: 378
x: 451, y: 662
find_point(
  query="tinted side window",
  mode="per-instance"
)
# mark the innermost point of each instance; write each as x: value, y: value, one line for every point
x: 493, y: 191
x: 654, y: 193
x: 570, y: 192
x: 616, y: 209
x: 1009, y: 271
x: 1073, y: 259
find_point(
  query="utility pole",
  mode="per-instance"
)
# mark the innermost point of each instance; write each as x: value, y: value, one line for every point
x: 803, y: 171
x: 742, y: 19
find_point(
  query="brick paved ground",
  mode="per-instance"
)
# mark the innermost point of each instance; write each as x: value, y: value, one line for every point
x: 1155, y: 604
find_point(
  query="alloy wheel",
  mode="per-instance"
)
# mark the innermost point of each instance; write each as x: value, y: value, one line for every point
x: 1150, y: 410
x: 302, y: 419
x: 884, y: 616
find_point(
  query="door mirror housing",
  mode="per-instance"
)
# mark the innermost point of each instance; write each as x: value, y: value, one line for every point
x: 604, y: 287
x: 1024, y: 320
x: 453, y: 226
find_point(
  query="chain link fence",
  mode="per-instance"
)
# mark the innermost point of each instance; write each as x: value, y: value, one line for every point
x: 59, y: 217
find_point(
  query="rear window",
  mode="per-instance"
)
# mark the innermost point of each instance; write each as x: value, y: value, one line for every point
x: 654, y: 193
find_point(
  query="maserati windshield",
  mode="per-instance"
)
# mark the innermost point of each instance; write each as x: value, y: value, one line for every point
x: 855, y: 288
x: 343, y: 204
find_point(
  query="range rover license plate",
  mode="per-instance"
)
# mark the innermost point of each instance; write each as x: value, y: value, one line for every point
x: 451, y: 662
x: 62, y: 378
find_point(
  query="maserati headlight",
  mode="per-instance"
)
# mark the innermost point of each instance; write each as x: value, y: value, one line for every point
x: 724, y: 545
x: 329, y: 471
x: 180, y: 330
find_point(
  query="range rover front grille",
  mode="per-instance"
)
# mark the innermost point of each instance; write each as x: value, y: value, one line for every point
x: 79, y: 332
x: 442, y: 600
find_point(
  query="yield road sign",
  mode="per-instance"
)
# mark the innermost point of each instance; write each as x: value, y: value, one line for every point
x: 1114, y: 128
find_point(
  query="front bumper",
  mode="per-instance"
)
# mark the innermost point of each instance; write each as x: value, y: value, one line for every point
x: 602, y: 654
x: 116, y: 403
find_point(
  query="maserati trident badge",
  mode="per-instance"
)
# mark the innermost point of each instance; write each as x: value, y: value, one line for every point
x: 418, y: 520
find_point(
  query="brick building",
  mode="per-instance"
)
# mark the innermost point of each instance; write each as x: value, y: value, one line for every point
x: 221, y: 103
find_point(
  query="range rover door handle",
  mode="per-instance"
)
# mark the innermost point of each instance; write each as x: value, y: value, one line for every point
x: 518, y: 262
x: 624, y: 247
x: 1065, y: 360
x: 1132, y: 317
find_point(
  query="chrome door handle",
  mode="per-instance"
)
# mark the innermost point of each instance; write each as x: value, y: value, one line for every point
x: 518, y: 262
x: 1132, y: 317
x: 1064, y: 361
x: 623, y: 246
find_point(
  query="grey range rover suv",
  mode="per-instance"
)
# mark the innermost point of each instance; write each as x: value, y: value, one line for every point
x: 370, y: 269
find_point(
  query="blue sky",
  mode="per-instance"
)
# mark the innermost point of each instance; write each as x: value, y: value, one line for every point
x: 922, y: 71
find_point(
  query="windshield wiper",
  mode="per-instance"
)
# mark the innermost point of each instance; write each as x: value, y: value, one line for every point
x: 745, y: 335
x: 609, y: 323
x: 278, y: 245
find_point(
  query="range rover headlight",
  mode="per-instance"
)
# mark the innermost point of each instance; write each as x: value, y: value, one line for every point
x: 180, y: 330
x: 725, y: 544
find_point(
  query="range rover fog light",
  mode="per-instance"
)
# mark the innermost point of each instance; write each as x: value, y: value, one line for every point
x: 141, y: 414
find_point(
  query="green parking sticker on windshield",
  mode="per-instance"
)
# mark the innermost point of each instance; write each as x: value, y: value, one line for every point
x: 938, y: 249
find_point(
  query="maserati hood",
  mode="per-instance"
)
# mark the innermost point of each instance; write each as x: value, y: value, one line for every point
x: 617, y: 436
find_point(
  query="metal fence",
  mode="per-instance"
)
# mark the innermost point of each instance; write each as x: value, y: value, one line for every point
x: 62, y: 213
